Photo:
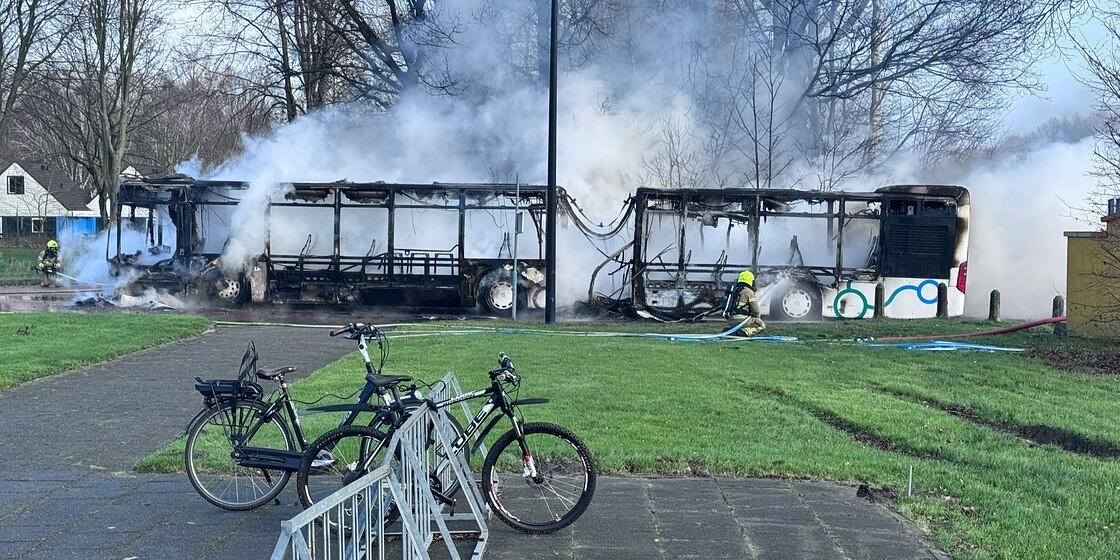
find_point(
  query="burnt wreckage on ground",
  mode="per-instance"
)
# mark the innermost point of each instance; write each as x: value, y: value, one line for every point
x: 334, y: 242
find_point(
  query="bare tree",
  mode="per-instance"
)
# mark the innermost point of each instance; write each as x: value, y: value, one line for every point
x: 1103, y: 61
x: 31, y: 31
x: 88, y: 101
x: 794, y: 90
x: 199, y: 114
x: 299, y: 55
x: 522, y: 30
x: 1101, y: 296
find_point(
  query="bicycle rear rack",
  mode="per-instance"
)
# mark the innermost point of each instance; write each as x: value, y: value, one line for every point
x: 348, y: 525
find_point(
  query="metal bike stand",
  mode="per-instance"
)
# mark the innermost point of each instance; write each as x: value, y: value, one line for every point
x: 339, y: 527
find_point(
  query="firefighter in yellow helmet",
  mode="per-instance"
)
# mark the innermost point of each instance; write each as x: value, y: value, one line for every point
x: 49, y: 263
x: 742, y: 305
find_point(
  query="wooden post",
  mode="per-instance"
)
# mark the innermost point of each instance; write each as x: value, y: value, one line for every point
x: 1059, y: 311
x: 993, y: 306
x: 880, y: 299
x: 942, y: 300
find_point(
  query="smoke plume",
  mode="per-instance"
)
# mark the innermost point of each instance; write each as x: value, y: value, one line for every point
x: 632, y: 113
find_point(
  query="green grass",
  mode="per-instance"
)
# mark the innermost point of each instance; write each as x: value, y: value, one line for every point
x: 34, y: 345
x: 15, y: 265
x: 824, y: 409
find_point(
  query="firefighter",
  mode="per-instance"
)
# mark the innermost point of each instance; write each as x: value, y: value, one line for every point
x: 743, y: 306
x: 49, y: 263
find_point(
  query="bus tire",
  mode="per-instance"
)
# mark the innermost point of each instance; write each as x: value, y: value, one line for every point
x: 799, y: 301
x: 495, y: 294
x: 229, y: 292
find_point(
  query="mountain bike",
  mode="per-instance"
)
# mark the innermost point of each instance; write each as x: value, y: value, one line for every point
x: 243, y: 447
x: 537, y: 477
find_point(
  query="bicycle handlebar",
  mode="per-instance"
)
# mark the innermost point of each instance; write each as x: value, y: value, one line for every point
x: 506, y: 371
x: 355, y: 328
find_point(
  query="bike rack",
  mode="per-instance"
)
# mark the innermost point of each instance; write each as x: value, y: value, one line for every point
x: 348, y: 525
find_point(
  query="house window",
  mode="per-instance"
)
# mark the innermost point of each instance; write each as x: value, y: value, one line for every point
x: 36, y: 225
x: 15, y: 184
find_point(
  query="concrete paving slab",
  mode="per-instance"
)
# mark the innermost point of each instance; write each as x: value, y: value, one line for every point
x: 82, y: 506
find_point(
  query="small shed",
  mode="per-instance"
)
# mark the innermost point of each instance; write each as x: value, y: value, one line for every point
x: 1093, y: 278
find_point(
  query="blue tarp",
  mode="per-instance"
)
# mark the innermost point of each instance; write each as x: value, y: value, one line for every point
x: 73, y: 228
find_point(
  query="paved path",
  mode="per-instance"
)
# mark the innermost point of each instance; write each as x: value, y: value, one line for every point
x: 111, y: 414
x: 66, y: 439
x: 86, y: 516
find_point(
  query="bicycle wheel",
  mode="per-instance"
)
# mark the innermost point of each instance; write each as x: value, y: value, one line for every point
x: 338, y: 458
x: 553, y: 499
x: 211, y: 443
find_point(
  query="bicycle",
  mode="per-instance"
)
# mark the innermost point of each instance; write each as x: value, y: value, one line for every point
x: 242, y: 449
x: 537, y: 477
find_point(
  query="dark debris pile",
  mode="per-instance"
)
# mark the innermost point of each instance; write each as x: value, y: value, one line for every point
x: 1095, y: 359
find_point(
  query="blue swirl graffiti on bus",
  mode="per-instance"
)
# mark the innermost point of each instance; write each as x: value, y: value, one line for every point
x: 868, y: 306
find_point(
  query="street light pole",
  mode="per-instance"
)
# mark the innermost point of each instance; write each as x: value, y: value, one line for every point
x: 550, y: 198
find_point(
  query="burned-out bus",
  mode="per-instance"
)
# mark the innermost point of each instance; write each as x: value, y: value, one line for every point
x: 435, y: 245
x: 815, y: 253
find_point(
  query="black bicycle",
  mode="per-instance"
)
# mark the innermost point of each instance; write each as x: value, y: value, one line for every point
x: 537, y: 477
x: 243, y: 447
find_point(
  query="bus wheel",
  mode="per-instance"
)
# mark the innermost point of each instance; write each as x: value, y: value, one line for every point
x: 495, y: 294
x: 228, y: 292
x: 797, y: 302
x: 498, y: 297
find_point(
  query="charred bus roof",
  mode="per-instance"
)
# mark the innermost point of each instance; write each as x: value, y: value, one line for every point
x: 775, y: 197
x: 182, y: 189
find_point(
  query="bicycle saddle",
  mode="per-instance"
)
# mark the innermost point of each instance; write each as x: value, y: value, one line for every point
x: 383, y: 381
x: 274, y: 373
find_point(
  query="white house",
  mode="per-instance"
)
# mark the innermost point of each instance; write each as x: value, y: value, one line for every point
x: 38, y: 199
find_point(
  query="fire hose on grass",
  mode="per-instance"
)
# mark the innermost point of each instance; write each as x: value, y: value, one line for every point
x: 724, y: 336
x: 905, y: 342
x: 993, y: 332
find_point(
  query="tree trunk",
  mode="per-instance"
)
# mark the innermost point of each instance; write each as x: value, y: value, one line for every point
x: 875, y: 118
x: 285, y: 63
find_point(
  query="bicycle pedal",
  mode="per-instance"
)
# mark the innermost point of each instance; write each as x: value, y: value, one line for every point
x: 443, y: 499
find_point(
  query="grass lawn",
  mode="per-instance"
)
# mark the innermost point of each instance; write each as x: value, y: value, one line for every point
x: 15, y: 265
x: 1012, y: 458
x: 34, y: 345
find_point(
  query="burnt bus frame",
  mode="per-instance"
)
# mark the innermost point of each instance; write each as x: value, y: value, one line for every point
x: 755, y: 206
x: 444, y: 271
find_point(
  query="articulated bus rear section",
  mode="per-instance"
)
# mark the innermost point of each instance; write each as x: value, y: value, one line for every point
x: 815, y: 254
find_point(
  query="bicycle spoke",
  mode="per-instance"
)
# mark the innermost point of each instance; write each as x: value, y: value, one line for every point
x: 544, y: 500
x: 219, y: 477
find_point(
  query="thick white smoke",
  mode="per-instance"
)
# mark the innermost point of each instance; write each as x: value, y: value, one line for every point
x: 428, y: 139
x: 626, y: 119
x: 1021, y: 205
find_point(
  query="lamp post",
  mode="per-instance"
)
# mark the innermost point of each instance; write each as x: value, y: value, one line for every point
x: 550, y: 197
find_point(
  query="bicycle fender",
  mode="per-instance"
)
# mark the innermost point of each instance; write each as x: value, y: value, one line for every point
x: 528, y: 402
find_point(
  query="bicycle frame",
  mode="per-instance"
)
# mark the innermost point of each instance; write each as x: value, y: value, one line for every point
x: 285, y: 404
x: 497, y: 400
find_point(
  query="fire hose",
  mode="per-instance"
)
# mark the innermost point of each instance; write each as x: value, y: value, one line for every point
x: 993, y: 332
